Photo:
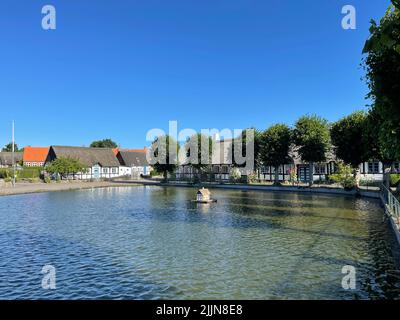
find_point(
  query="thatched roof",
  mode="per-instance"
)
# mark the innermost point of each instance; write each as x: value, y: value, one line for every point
x: 6, y: 158
x: 204, y: 192
x: 105, y: 157
x: 132, y: 158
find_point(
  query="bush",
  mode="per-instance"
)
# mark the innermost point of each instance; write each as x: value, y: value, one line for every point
x: 7, y: 179
x: 47, y: 179
x: 344, y: 176
x: 235, y: 175
x: 29, y: 173
x: 394, y: 179
x: 5, y: 173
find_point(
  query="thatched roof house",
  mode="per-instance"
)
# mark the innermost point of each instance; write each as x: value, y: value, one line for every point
x: 6, y: 158
x: 104, y: 157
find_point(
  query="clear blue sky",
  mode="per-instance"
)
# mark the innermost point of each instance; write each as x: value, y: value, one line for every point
x: 119, y: 68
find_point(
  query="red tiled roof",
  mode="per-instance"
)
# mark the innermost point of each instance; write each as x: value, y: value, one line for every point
x: 35, y: 154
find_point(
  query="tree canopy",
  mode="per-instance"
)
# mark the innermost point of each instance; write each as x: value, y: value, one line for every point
x: 105, y: 143
x: 311, y: 135
x: 8, y: 147
x: 203, y: 145
x: 347, y: 138
x: 163, y: 154
x: 382, y: 66
x: 275, y: 145
x: 65, y: 166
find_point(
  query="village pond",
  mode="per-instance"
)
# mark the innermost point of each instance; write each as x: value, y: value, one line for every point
x: 151, y: 242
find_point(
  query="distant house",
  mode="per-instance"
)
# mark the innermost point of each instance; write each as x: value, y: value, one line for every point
x: 35, y: 156
x: 100, y: 162
x: 6, y: 159
x: 133, y: 163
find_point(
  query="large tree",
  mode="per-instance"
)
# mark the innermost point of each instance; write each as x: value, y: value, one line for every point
x: 8, y: 147
x: 275, y: 146
x: 382, y: 65
x: 163, y: 155
x: 105, y: 143
x: 199, y: 152
x: 239, y: 148
x: 311, y: 136
x: 65, y: 166
x: 347, y: 138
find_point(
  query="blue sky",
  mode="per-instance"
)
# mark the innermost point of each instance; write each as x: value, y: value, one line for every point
x: 119, y: 68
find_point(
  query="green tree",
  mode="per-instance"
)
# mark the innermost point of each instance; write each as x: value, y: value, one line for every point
x: 382, y: 65
x: 347, y: 136
x: 203, y: 145
x: 163, y: 155
x: 105, y: 143
x: 275, y: 146
x: 8, y: 147
x: 65, y: 166
x: 239, y: 147
x: 311, y: 136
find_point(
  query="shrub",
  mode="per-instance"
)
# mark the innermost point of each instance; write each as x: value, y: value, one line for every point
x: 235, y: 175
x: 5, y: 173
x: 7, y: 179
x: 47, y: 179
x: 394, y: 179
x: 344, y: 176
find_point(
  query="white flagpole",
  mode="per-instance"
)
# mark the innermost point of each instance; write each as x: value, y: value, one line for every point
x: 13, y: 150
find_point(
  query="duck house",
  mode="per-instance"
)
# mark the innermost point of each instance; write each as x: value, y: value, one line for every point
x: 204, y: 196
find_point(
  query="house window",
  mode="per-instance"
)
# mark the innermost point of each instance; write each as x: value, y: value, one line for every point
x: 264, y: 170
x: 319, y: 168
x: 396, y: 166
x: 373, y: 167
x: 105, y: 170
x: 114, y: 170
x: 225, y: 169
x: 216, y: 169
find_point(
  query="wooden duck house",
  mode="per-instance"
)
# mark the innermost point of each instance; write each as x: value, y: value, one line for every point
x: 204, y: 196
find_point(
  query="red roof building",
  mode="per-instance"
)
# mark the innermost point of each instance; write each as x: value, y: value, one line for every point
x: 35, y: 156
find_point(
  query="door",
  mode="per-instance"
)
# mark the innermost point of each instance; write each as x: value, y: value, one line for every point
x: 304, y: 173
x: 96, y: 172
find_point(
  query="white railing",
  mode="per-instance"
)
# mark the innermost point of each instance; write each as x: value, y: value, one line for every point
x: 391, y: 203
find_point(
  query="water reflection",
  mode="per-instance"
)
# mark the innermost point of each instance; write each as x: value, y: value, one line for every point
x: 156, y: 243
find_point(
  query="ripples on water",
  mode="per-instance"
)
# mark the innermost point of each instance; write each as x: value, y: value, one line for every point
x: 154, y: 243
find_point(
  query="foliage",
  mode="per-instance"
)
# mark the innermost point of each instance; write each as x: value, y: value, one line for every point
x: 347, y: 137
x: 344, y: 176
x: 382, y: 66
x: 154, y: 173
x: 275, y: 146
x: 105, y: 143
x: 47, y: 179
x: 8, y: 147
x: 204, y: 146
x: 65, y: 166
x: 5, y: 173
x: 164, y: 154
x: 293, y: 174
x: 29, y: 172
x: 235, y: 175
x: 394, y: 179
x: 311, y: 135
x: 239, y: 147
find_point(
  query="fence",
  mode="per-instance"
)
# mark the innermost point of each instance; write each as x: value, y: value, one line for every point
x: 391, y: 203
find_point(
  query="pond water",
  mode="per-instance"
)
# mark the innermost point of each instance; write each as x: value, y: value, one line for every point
x: 155, y: 243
